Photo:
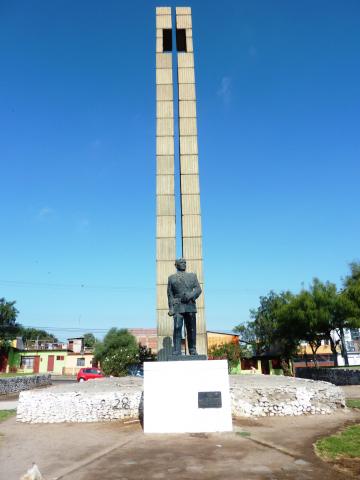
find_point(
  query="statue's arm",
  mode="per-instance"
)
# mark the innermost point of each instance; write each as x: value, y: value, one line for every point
x: 170, y: 297
x: 197, y: 289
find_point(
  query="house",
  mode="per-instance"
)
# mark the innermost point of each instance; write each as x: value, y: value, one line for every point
x: 57, y: 358
x: 146, y: 336
x: 352, y: 343
x: 216, y: 337
x: 8, y: 357
x: 324, y: 354
x: 42, y: 361
x: 76, y: 361
x: 76, y: 345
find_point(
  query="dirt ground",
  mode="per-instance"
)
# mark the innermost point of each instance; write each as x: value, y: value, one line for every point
x: 351, y: 391
x: 271, y: 448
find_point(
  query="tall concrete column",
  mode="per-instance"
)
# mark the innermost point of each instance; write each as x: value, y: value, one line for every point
x: 189, y: 169
x: 189, y: 165
x: 165, y: 188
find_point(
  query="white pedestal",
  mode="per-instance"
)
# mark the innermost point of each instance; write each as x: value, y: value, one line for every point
x: 171, y: 397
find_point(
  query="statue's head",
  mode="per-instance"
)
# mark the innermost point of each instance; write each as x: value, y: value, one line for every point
x: 180, y: 264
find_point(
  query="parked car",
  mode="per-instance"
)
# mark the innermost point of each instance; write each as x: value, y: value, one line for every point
x: 88, y: 374
x: 136, y: 371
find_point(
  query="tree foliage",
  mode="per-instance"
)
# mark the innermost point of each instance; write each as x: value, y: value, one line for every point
x: 268, y: 326
x: 282, y: 321
x: 89, y: 340
x: 9, y: 328
x: 117, y: 352
x: 352, y: 284
x: 145, y: 354
x: 247, y: 336
x: 29, y: 333
x: 232, y: 352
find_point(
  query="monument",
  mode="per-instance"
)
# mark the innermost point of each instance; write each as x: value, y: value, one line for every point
x: 175, y: 59
x: 180, y: 396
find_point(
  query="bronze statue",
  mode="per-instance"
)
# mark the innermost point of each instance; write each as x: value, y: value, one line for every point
x: 183, y: 289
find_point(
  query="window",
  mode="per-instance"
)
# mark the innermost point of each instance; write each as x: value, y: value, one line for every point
x: 355, y: 334
x: 181, y: 40
x: 80, y: 362
x: 350, y: 347
x: 248, y: 364
x: 167, y: 40
x: 60, y: 357
x: 276, y: 363
x: 27, y: 362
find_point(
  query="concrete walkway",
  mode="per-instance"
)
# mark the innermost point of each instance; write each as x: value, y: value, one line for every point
x: 271, y: 448
x: 8, y: 404
x: 351, y: 391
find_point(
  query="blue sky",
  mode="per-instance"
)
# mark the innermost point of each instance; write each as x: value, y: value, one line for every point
x: 278, y: 119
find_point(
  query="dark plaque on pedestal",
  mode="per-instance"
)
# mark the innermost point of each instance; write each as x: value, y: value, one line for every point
x: 209, y: 400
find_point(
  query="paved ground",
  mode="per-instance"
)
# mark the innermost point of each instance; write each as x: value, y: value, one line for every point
x: 352, y: 391
x: 272, y: 448
x: 8, y: 404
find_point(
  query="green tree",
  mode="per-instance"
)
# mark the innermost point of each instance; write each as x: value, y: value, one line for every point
x: 340, y: 309
x: 232, y: 352
x: 29, y: 333
x: 346, y: 316
x: 9, y: 328
x: 89, y: 340
x: 117, y: 352
x: 351, y: 284
x: 266, y: 333
x: 145, y: 354
x: 247, y: 337
x: 269, y: 331
x: 307, y: 317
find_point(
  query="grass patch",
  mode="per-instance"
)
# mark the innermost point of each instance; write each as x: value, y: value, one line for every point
x: 5, y: 414
x: 355, y: 403
x: 22, y: 374
x: 243, y: 433
x: 345, y: 444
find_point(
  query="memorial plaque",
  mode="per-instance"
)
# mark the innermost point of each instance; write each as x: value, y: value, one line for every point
x: 209, y: 400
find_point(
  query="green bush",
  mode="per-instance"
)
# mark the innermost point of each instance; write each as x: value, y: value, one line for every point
x: 117, y: 352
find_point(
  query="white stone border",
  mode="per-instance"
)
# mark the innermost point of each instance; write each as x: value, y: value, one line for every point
x: 122, y: 399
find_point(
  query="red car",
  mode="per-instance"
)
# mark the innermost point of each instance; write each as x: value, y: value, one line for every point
x: 88, y: 374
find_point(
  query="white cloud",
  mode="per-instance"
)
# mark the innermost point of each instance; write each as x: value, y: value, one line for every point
x: 224, y: 90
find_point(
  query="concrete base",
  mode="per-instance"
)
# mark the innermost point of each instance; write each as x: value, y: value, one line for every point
x: 185, y: 397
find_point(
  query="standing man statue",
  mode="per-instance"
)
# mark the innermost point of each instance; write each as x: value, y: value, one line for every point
x: 183, y: 289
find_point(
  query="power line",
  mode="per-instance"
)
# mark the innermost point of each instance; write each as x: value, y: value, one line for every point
x: 21, y: 283
x: 64, y: 329
x: 70, y: 329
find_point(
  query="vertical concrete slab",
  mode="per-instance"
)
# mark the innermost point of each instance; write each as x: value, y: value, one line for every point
x: 189, y: 168
x: 165, y: 186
